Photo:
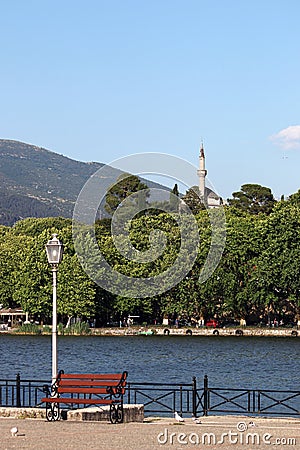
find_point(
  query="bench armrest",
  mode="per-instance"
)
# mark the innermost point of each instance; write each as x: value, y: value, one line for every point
x: 52, y: 390
x: 119, y: 390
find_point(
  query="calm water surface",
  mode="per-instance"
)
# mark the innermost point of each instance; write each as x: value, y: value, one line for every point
x: 267, y: 363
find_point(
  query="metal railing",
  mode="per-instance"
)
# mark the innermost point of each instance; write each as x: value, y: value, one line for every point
x: 21, y: 393
x: 166, y: 398
x: 250, y: 401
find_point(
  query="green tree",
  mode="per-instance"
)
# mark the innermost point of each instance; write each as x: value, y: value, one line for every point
x: 278, y: 265
x: 174, y: 199
x: 253, y: 198
x: 76, y: 292
x: 294, y: 199
x: 34, y: 227
x: 193, y: 200
x: 125, y: 186
x: 228, y: 291
x: 12, y: 251
x: 33, y: 284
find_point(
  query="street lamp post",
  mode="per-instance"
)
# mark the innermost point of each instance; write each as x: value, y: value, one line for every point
x: 54, y: 249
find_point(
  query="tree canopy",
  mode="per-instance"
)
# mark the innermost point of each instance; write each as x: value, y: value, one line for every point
x: 125, y: 186
x: 253, y: 198
x: 192, y: 199
x: 258, y: 276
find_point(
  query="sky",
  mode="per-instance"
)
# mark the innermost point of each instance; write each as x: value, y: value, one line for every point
x: 99, y: 80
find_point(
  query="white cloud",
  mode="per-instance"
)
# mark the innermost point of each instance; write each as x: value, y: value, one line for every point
x: 288, y: 137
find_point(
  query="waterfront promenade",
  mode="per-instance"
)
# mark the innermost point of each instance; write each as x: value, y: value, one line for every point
x: 216, y: 432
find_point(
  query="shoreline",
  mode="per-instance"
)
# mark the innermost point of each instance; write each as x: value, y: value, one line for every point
x: 170, y: 331
x: 189, y: 331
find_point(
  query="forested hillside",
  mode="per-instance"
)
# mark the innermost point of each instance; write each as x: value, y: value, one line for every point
x: 36, y: 182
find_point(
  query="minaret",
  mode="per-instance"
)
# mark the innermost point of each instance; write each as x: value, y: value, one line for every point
x: 202, y: 174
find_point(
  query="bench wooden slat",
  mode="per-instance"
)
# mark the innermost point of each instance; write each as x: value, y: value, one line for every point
x: 92, y: 390
x: 80, y: 401
x: 81, y: 390
x: 92, y: 376
x: 86, y: 382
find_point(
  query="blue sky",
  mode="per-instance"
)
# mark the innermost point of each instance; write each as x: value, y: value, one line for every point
x: 99, y: 80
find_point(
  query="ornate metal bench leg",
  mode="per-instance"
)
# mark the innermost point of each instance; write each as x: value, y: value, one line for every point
x: 116, y: 413
x: 120, y: 413
x: 52, y: 411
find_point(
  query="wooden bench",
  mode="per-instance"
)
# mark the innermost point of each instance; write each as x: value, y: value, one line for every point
x: 86, y: 389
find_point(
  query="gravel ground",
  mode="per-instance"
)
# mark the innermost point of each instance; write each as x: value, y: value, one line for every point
x: 213, y: 432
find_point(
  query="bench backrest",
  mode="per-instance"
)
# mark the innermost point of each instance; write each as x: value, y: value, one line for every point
x: 91, y: 383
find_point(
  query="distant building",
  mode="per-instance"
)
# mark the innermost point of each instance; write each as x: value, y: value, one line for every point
x: 207, y: 195
x: 11, y: 316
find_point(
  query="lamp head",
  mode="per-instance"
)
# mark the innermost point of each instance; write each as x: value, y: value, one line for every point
x: 54, y: 249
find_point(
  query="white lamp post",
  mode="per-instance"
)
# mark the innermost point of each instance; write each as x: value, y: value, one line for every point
x: 54, y: 249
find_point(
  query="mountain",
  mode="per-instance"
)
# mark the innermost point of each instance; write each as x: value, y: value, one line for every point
x: 35, y: 182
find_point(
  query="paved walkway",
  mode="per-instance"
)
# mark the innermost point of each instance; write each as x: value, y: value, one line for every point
x: 213, y: 432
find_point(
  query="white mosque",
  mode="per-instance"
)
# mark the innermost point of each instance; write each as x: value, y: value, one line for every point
x: 208, y: 196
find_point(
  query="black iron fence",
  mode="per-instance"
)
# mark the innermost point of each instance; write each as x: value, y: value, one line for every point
x: 21, y: 393
x: 250, y: 401
x: 166, y: 398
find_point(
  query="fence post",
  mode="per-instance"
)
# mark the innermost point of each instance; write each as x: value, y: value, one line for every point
x: 128, y: 393
x: 180, y: 390
x: 18, y: 390
x: 205, y: 395
x: 194, y: 398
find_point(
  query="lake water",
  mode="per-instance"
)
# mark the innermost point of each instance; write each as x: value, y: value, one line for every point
x: 235, y: 362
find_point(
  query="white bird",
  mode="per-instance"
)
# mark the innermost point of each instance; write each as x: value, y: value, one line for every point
x: 178, y: 417
x: 14, y: 431
x: 196, y: 420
